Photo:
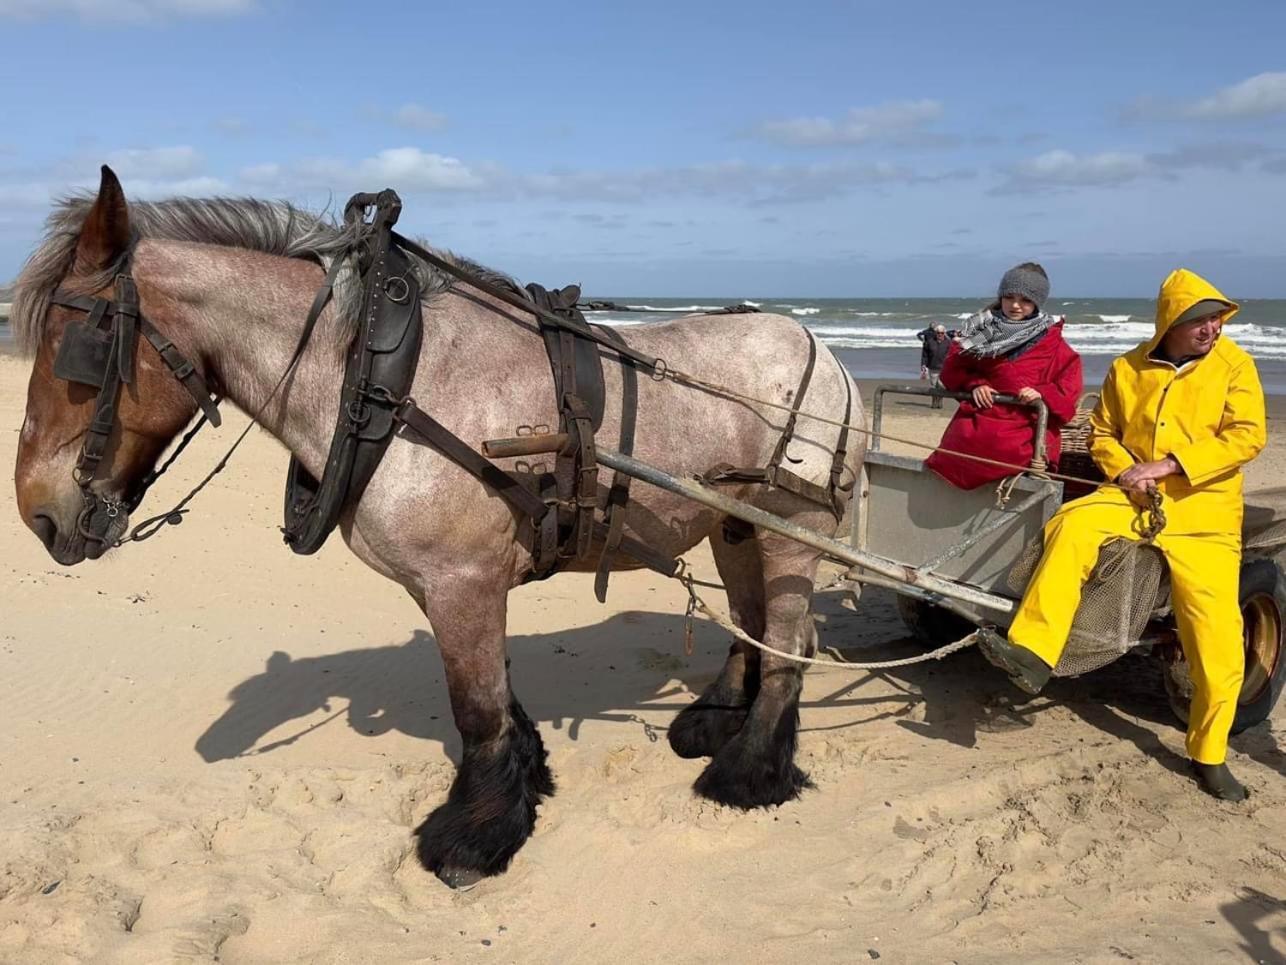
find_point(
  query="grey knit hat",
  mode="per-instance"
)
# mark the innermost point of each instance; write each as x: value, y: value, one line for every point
x: 1028, y: 282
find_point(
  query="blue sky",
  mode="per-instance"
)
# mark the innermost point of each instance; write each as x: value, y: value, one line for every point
x: 664, y: 148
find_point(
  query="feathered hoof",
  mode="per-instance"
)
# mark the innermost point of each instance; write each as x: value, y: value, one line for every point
x: 742, y: 778
x: 702, y: 729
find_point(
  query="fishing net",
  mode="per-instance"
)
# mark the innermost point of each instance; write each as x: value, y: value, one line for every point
x: 1125, y: 585
x: 1264, y: 529
x: 1122, y: 591
x: 1130, y: 580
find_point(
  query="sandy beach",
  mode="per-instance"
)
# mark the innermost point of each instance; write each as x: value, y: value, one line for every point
x: 214, y: 750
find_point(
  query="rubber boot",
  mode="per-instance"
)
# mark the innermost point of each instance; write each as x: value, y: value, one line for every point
x: 1026, y: 670
x: 1217, y: 780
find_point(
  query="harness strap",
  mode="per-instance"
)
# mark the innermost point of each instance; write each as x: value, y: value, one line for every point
x: 126, y: 318
x: 184, y: 371
x: 508, y: 487
x: 509, y: 298
x: 619, y: 493
x: 152, y: 525
x: 837, y: 486
x: 477, y: 465
x: 777, y: 476
x: 788, y: 432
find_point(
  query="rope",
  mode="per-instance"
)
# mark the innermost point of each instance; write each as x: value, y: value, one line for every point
x: 695, y: 603
x: 682, y: 378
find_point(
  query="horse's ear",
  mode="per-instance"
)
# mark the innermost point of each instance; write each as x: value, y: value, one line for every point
x: 106, y: 232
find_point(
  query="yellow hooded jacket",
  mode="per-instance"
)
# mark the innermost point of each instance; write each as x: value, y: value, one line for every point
x: 1208, y: 414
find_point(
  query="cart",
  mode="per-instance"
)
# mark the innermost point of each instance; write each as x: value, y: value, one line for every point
x: 906, y: 513
x: 959, y: 560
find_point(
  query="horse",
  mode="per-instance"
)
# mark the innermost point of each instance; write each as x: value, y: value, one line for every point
x: 227, y: 283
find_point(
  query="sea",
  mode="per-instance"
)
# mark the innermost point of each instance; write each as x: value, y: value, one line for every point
x: 876, y: 337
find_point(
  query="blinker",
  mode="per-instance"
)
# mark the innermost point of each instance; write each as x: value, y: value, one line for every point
x: 84, y: 355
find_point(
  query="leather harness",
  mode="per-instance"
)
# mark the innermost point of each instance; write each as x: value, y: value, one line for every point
x: 99, y: 353
x: 380, y: 366
x: 379, y: 371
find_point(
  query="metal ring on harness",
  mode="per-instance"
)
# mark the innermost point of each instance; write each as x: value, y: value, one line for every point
x: 404, y: 292
x: 359, y: 413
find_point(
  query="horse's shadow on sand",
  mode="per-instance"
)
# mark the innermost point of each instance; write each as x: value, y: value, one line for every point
x: 629, y: 670
x: 608, y: 672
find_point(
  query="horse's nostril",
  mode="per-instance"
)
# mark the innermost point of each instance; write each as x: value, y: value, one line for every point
x: 44, y: 527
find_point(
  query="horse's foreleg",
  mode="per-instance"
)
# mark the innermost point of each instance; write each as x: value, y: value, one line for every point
x: 705, y: 725
x: 756, y: 767
x: 491, y: 807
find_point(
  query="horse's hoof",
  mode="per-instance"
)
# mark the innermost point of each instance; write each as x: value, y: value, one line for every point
x: 460, y: 879
x: 702, y: 730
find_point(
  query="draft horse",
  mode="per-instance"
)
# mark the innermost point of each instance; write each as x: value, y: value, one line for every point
x: 221, y: 289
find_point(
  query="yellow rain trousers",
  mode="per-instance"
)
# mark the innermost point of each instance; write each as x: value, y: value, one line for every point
x: 1208, y: 414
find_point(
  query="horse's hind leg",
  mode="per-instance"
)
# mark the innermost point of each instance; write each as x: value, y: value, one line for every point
x: 705, y: 725
x: 491, y: 807
x: 756, y: 767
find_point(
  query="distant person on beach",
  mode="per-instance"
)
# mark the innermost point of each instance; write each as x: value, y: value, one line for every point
x: 1011, y: 347
x: 933, y: 355
x: 1180, y: 415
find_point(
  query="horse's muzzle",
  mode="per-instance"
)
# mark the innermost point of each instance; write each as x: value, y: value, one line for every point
x: 97, y: 527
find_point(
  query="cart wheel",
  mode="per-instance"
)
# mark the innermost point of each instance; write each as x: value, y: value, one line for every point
x: 932, y: 625
x: 1263, y: 613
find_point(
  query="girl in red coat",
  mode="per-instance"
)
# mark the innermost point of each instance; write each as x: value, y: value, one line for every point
x: 1010, y: 348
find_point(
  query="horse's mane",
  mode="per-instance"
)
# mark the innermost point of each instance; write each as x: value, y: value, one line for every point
x: 271, y: 227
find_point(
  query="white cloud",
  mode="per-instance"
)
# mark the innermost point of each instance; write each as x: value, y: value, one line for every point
x: 1263, y: 95
x: 419, y: 171
x: 860, y: 125
x: 155, y: 162
x: 407, y: 169
x: 418, y: 118
x: 1063, y: 169
x: 410, y: 170
x: 132, y: 11
x: 1258, y: 96
x: 151, y: 189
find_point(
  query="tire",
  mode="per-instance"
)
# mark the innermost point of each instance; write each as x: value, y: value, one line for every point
x: 931, y: 625
x: 1263, y: 611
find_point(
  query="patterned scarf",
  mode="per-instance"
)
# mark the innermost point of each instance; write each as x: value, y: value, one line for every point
x: 989, y: 334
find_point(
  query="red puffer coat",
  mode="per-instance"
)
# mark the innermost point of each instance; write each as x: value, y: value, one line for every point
x: 1007, y: 432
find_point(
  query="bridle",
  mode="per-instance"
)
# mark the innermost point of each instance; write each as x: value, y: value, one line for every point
x: 99, y: 353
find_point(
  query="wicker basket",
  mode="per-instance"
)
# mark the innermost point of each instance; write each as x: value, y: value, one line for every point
x: 1075, y: 459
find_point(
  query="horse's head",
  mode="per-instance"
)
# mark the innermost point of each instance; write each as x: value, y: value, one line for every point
x: 100, y: 410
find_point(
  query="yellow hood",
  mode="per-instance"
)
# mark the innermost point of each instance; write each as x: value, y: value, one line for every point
x: 1179, y: 292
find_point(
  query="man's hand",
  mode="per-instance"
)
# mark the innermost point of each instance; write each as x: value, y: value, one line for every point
x: 1028, y: 394
x: 1141, y: 478
x: 924, y: 372
x: 984, y: 397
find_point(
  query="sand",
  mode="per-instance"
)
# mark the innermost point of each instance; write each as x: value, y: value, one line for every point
x: 214, y: 750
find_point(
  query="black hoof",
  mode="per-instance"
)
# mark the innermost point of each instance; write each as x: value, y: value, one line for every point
x: 702, y: 729
x: 460, y: 879
x: 745, y: 786
x: 490, y: 810
x: 755, y: 770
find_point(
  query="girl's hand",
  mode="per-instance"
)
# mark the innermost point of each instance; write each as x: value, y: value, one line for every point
x: 984, y: 397
x: 1028, y: 394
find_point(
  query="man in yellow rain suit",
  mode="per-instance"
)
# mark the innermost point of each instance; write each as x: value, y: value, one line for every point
x: 1179, y: 414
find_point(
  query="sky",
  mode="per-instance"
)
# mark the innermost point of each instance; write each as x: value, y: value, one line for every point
x: 743, y: 150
